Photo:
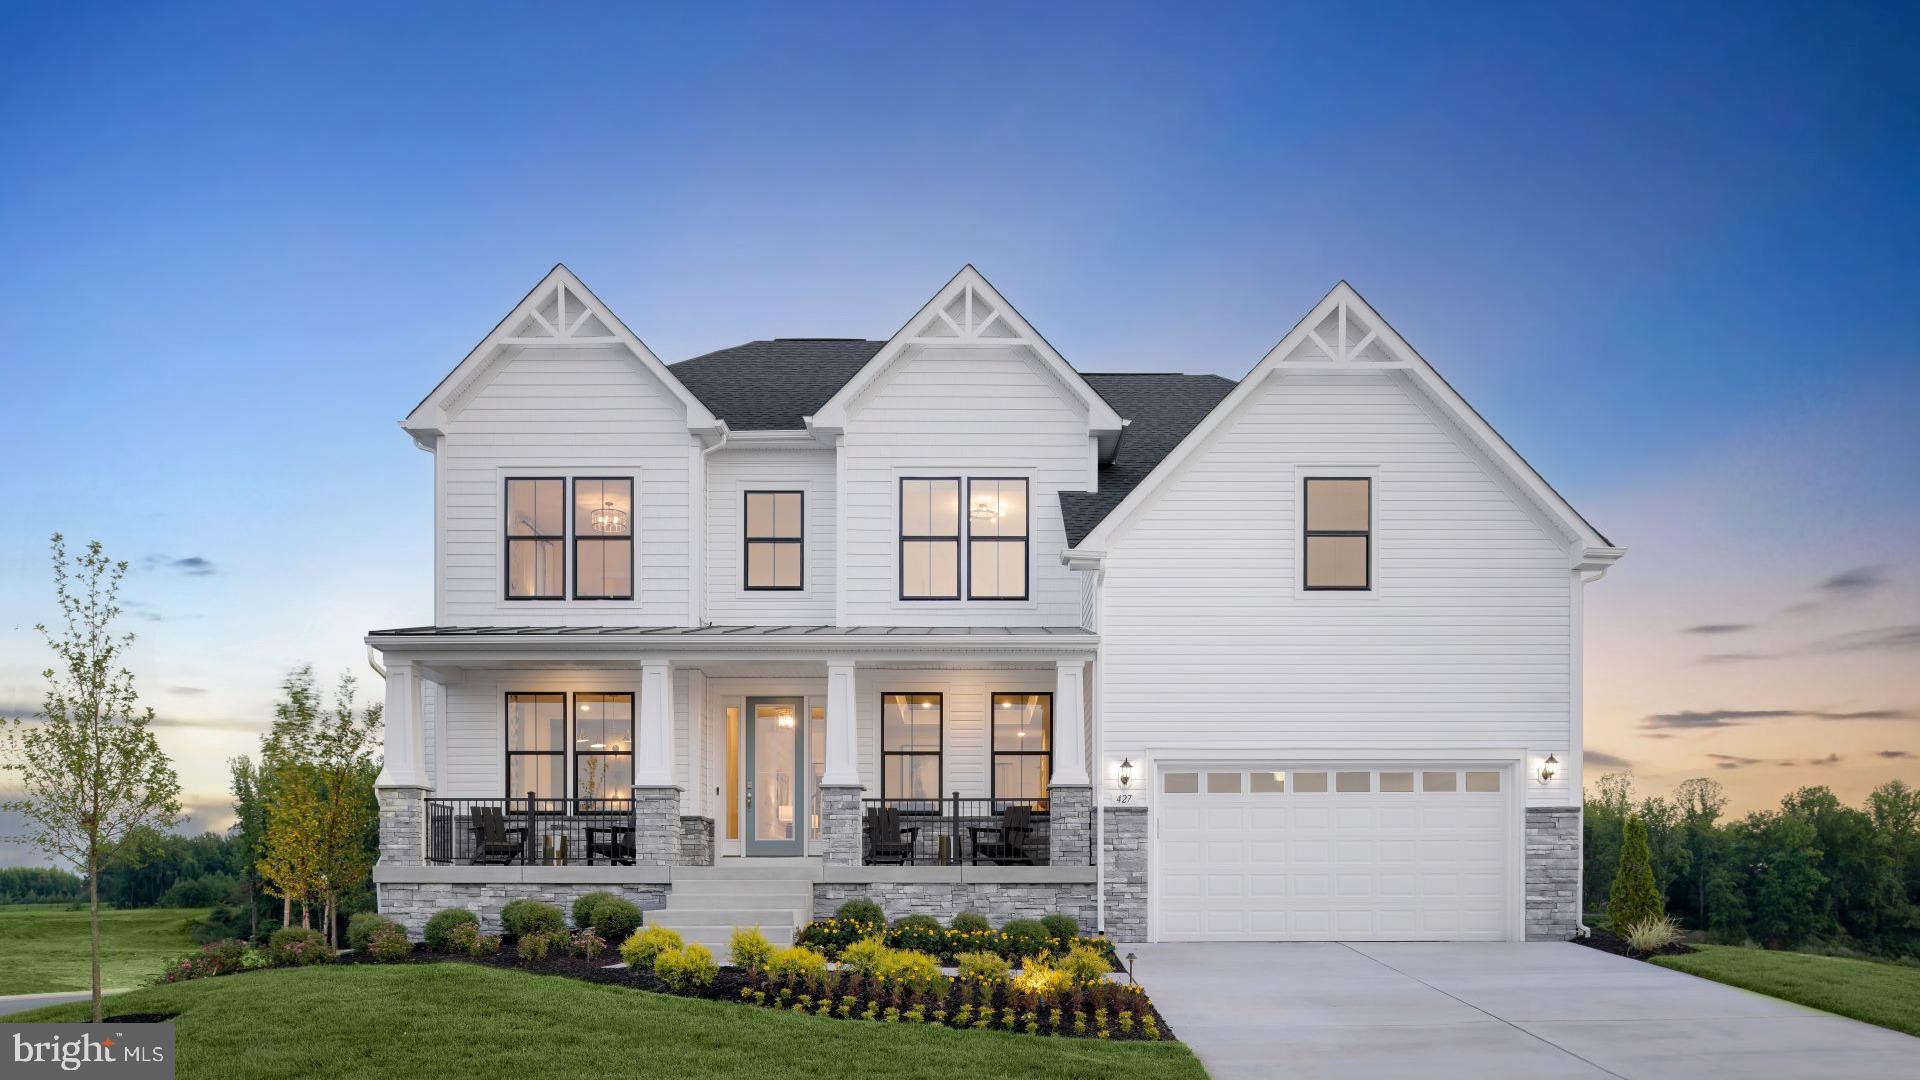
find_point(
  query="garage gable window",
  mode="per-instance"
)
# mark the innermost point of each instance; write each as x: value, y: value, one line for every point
x: 1337, y: 533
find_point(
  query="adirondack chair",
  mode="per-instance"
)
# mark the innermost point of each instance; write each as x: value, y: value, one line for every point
x: 1008, y: 843
x: 887, y: 842
x: 494, y: 841
x: 617, y: 848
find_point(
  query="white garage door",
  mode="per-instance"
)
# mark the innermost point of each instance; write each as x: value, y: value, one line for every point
x: 1283, y: 853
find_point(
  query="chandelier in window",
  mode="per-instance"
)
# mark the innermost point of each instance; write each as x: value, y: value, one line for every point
x: 608, y: 519
x: 983, y: 511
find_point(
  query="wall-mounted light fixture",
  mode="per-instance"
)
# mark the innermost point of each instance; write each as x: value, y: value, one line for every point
x: 1549, y: 769
x: 1126, y: 771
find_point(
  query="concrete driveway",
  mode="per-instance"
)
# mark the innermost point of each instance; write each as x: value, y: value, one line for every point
x: 1537, y: 1010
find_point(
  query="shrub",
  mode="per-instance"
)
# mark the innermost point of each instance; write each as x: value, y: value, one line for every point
x: 1040, y: 978
x: 1653, y: 934
x: 522, y: 917
x: 1063, y: 929
x: 362, y: 927
x: 484, y: 944
x: 749, y: 949
x: 615, y: 919
x: 388, y: 945
x: 830, y: 936
x: 921, y: 933
x: 861, y: 911
x: 1022, y: 938
x: 688, y: 969
x: 461, y: 937
x: 213, y: 958
x: 1635, y: 898
x: 1084, y: 965
x: 443, y: 922
x: 584, y: 905
x: 971, y: 922
x: 298, y: 947
x: 796, y: 962
x: 639, y: 949
x: 534, y: 946
x: 991, y: 969
x: 586, y: 943
x: 914, y: 970
x: 1103, y: 946
x: 864, y: 956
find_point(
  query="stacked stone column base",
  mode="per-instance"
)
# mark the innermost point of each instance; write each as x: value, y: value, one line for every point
x: 1070, y: 824
x: 1553, y: 872
x: 840, y: 824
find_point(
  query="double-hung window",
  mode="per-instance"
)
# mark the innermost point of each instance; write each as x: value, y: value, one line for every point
x: 602, y: 538
x: 1022, y: 745
x: 1337, y: 533
x: 537, y: 533
x: 536, y: 538
x: 992, y: 522
x: 776, y: 540
x: 930, y: 539
x: 910, y: 728
x: 603, y: 749
x: 537, y: 745
x: 996, y: 539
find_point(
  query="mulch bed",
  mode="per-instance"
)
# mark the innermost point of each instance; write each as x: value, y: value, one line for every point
x: 1609, y: 942
x: 140, y: 1018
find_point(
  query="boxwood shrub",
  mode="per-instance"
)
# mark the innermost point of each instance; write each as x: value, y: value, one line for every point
x: 1063, y: 929
x: 615, y: 919
x: 583, y: 907
x: 362, y: 927
x: 921, y: 933
x: 442, y: 924
x: 1022, y: 938
x: 524, y: 916
x: 298, y: 947
x: 861, y: 911
x: 971, y: 922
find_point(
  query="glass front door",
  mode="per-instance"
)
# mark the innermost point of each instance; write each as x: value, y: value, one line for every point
x: 776, y: 762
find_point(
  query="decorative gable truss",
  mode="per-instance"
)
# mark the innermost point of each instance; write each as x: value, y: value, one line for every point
x: 559, y: 312
x: 971, y: 315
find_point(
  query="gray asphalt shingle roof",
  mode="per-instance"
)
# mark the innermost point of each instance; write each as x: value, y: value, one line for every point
x: 1161, y: 408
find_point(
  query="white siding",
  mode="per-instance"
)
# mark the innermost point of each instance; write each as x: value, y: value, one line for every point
x: 960, y: 412
x: 571, y: 412
x: 475, y: 753
x: 731, y: 473
x: 1208, y: 644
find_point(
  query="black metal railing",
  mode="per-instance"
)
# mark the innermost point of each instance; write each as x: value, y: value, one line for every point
x: 956, y: 831
x: 530, y: 831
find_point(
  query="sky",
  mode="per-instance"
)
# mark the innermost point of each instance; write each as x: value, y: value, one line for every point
x: 1665, y: 249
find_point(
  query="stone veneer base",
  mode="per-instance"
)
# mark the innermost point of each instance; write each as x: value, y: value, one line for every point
x: 411, y: 904
x: 998, y: 901
x: 1553, y: 872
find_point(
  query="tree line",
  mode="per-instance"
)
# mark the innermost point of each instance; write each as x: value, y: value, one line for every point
x: 1815, y: 871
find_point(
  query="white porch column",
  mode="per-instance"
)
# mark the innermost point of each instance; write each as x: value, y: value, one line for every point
x: 653, y: 759
x: 1069, y: 725
x: 843, y: 732
x: 406, y: 735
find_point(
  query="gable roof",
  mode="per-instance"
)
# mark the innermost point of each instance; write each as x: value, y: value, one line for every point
x: 1160, y: 407
x: 771, y: 385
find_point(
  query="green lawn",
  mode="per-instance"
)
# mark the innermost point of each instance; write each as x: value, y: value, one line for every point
x: 468, y: 1022
x: 43, y: 947
x: 1884, y: 994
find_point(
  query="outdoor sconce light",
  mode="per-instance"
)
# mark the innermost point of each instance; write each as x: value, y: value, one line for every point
x: 1126, y: 771
x: 1549, y: 769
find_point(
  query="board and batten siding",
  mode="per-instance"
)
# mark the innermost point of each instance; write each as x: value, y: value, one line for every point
x: 731, y: 474
x: 1207, y: 642
x: 563, y: 412
x: 951, y: 412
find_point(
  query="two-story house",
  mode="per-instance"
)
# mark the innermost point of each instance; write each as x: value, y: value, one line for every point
x: 942, y: 621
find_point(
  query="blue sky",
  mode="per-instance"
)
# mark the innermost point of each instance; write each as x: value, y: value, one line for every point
x: 1669, y: 252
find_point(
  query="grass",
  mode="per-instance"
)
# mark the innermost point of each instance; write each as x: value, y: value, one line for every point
x: 43, y: 947
x: 1883, y: 994
x: 469, y: 1022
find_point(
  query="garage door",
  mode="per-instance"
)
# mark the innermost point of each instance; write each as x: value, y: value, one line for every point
x: 1284, y: 853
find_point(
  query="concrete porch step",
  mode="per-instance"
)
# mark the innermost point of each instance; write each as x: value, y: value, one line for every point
x: 718, y: 937
x: 705, y: 915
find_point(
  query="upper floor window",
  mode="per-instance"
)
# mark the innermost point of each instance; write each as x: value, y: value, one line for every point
x: 910, y: 728
x: 1337, y: 533
x: 776, y: 544
x: 1022, y: 745
x: 996, y: 539
x: 603, y: 538
x: 930, y: 539
x: 536, y: 538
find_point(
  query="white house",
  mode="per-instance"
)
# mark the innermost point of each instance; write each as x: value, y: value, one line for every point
x: 943, y: 621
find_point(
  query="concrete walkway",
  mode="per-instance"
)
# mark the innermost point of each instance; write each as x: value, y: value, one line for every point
x: 16, y: 1003
x: 1539, y: 1010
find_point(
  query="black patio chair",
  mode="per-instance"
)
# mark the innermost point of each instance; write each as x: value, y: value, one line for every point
x: 887, y: 842
x: 1008, y: 846
x: 617, y: 848
x: 495, y: 843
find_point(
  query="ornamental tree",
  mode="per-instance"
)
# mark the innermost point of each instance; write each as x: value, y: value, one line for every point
x: 1634, y: 895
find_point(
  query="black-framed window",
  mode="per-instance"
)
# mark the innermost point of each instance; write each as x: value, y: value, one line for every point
x: 536, y: 537
x: 537, y: 745
x: 1336, y: 547
x: 911, y: 726
x: 930, y: 538
x: 996, y: 538
x: 1022, y: 741
x: 603, y: 747
x: 776, y: 540
x: 603, y: 538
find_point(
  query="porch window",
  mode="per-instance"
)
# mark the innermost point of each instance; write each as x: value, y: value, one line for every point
x: 910, y: 729
x: 536, y: 745
x: 996, y: 539
x: 1022, y: 745
x: 930, y: 539
x: 536, y: 527
x: 1337, y: 533
x: 603, y: 538
x: 603, y: 747
x: 776, y: 540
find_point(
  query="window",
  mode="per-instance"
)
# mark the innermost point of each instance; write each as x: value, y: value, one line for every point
x: 603, y: 747
x: 536, y: 538
x: 1223, y: 783
x: 602, y: 539
x: 776, y: 547
x: 1439, y: 781
x: 930, y: 539
x: 1338, y: 533
x: 1265, y: 783
x: 1483, y: 781
x: 536, y: 745
x: 996, y: 539
x: 910, y: 727
x: 1352, y: 781
x: 1180, y: 783
x: 1396, y: 781
x: 1022, y: 744
x: 1310, y: 781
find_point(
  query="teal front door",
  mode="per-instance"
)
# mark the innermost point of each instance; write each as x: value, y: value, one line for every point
x: 776, y: 762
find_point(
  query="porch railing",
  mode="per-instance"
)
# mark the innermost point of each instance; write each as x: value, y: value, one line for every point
x: 955, y: 831
x: 530, y: 831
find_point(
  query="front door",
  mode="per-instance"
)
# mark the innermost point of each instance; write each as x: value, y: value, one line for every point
x: 775, y: 763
